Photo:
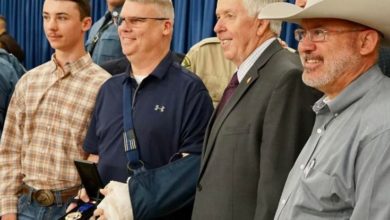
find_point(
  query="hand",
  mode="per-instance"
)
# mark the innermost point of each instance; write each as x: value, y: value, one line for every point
x: 98, y: 214
x: 10, y: 216
x: 82, y: 195
x: 106, y: 190
x: 116, y: 203
x: 93, y: 157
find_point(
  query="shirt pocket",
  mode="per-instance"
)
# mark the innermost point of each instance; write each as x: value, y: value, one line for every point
x: 110, y: 45
x: 318, y: 196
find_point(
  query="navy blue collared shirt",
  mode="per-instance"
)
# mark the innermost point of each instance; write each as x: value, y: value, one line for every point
x: 171, y: 109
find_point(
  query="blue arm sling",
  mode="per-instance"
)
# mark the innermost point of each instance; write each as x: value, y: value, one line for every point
x: 161, y: 191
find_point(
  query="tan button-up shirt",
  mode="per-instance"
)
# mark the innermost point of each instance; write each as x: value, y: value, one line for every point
x: 46, y: 123
x: 206, y: 60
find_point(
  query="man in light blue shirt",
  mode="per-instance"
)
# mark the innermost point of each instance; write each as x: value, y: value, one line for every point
x: 343, y: 170
x: 103, y: 40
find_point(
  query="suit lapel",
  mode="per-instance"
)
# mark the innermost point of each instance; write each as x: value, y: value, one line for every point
x: 217, y: 121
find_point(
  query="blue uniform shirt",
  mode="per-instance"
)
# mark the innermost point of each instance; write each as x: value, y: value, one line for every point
x: 16, y: 65
x: 108, y: 46
x: 8, y: 80
x: 171, y: 109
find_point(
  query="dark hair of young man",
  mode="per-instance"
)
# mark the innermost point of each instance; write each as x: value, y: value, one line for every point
x: 84, y: 7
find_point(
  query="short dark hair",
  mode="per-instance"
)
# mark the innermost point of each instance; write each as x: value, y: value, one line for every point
x: 84, y: 7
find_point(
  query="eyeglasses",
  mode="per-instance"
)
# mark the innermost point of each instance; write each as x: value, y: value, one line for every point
x: 135, y: 20
x: 318, y: 34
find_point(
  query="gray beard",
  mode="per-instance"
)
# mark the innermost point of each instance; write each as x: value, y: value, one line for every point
x: 335, y: 69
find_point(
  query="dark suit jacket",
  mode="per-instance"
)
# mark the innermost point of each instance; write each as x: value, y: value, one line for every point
x: 252, y: 144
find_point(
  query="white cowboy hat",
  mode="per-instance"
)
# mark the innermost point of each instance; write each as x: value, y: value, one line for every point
x: 371, y: 13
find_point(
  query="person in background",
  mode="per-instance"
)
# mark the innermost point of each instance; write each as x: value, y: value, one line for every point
x: 10, y: 72
x: 343, y: 170
x: 8, y: 42
x: 170, y: 111
x: 9, y: 57
x: 103, y: 40
x: 262, y: 122
x: 47, y: 119
x: 8, y: 79
x: 206, y: 60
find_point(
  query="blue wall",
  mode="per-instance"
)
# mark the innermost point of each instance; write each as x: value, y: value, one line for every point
x: 194, y: 21
x: 25, y: 25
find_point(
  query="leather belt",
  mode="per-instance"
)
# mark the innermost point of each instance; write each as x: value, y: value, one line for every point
x: 47, y: 197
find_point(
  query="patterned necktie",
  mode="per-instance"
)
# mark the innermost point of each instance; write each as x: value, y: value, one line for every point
x: 228, y: 93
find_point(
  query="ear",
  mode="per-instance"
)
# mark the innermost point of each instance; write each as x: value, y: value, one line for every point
x: 168, y: 27
x: 368, y: 41
x: 86, y: 24
x: 262, y: 26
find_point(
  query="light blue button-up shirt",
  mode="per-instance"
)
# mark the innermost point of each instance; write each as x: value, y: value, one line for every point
x: 343, y: 172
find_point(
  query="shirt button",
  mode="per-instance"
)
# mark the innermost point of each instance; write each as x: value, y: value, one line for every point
x: 319, y: 131
x: 199, y: 186
x: 283, y: 201
x: 336, y: 114
x: 302, y: 166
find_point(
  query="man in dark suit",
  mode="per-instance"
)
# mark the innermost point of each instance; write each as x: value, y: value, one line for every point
x: 254, y: 137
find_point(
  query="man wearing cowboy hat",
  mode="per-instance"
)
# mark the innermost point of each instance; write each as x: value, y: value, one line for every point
x: 384, y: 52
x: 261, y: 123
x: 343, y: 170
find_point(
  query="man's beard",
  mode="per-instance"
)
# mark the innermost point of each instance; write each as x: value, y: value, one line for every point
x: 333, y: 69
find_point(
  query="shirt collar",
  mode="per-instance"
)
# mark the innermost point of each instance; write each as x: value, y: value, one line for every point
x: 110, y: 14
x: 118, y: 9
x: 162, y: 68
x: 71, y: 68
x: 352, y: 93
x: 252, y: 58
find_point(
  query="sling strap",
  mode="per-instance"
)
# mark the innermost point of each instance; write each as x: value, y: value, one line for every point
x: 134, y: 164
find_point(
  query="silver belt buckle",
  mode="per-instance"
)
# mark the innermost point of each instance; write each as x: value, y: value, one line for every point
x: 44, y: 197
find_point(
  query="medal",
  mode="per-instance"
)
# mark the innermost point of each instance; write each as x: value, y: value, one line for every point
x: 79, y: 213
x: 73, y: 216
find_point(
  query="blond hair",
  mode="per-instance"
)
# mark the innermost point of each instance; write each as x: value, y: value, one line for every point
x: 165, y: 7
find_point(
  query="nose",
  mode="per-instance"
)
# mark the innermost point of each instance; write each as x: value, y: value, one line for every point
x: 219, y: 26
x: 51, y: 24
x: 306, y: 45
x: 123, y: 27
